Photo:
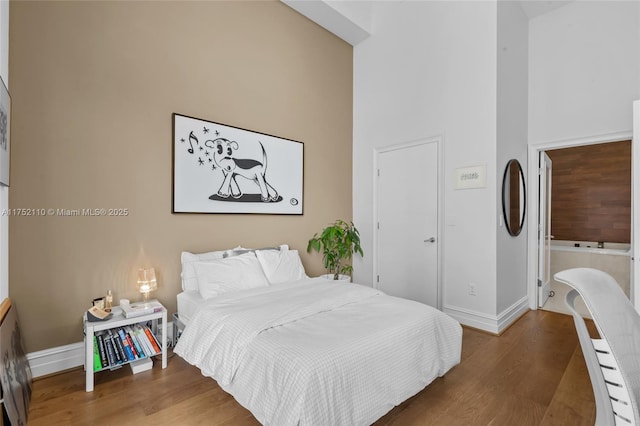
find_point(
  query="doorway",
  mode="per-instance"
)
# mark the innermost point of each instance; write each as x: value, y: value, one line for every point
x: 578, y: 229
x: 407, y: 230
x: 591, y: 215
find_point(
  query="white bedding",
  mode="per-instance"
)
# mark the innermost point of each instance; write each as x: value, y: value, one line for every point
x: 188, y: 302
x: 317, y: 352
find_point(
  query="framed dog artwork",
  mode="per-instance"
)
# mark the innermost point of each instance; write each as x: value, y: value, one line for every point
x: 219, y: 168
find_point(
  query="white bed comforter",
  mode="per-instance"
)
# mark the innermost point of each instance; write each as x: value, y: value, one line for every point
x: 316, y: 352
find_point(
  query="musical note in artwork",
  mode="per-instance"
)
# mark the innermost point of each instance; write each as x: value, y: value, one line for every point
x: 192, y: 138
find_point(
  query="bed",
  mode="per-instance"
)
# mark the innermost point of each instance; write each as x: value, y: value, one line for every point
x: 306, y: 351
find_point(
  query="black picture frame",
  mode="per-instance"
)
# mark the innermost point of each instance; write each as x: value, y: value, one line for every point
x: 514, y: 197
x: 5, y: 133
x: 218, y: 168
x: 15, y: 372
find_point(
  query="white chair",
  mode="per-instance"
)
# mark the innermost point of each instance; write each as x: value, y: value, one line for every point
x: 613, y: 360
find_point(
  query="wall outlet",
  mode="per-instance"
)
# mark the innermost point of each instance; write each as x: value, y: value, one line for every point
x: 472, y: 289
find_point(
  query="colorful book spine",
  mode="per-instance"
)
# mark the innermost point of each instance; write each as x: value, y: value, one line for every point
x: 143, y: 340
x: 125, y: 344
x: 117, y: 347
x: 136, y: 351
x: 104, y: 361
x: 97, y: 363
x: 136, y: 342
x: 152, y: 339
x: 111, y: 357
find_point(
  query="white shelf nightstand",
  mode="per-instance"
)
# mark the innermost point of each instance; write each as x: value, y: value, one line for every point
x: 119, y: 320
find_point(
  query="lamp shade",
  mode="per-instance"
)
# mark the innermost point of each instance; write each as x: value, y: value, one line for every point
x: 147, y: 281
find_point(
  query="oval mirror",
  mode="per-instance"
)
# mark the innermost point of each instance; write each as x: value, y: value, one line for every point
x: 513, y: 197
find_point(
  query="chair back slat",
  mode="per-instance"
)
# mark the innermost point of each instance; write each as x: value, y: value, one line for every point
x: 614, y: 359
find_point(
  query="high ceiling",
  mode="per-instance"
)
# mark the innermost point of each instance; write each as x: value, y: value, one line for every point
x: 351, y: 20
x: 535, y: 8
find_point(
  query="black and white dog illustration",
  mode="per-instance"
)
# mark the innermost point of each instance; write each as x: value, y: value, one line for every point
x: 252, y: 169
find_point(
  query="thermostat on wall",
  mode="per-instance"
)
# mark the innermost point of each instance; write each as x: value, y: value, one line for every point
x: 471, y: 177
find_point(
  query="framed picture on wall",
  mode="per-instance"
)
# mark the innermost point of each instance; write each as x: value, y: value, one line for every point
x: 15, y: 372
x: 5, y: 133
x: 219, y: 168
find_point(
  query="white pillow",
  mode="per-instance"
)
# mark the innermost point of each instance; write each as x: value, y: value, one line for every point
x: 227, y: 275
x: 189, y: 281
x: 281, y: 266
x: 241, y: 250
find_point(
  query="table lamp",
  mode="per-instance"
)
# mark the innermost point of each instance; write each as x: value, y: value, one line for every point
x: 147, y: 282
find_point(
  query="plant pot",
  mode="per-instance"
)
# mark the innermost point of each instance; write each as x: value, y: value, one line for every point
x: 345, y: 278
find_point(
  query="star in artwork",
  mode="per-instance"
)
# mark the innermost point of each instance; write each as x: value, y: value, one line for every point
x: 210, y: 160
x: 206, y: 153
x: 205, y: 130
x: 182, y: 140
x: 200, y: 161
x: 201, y: 148
x: 213, y: 167
x: 217, y: 133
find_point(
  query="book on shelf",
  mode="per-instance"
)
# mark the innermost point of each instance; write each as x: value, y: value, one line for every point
x: 121, y: 345
x: 152, y: 339
x: 136, y: 353
x: 149, y: 339
x: 118, y: 351
x: 111, y: 357
x: 97, y: 363
x: 141, y: 353
x: 143, y: 340
x: 102, y: 351
x: 126, y: 346
x: 141, y: 308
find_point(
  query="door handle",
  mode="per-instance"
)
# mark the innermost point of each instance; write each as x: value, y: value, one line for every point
x: 430, y: 240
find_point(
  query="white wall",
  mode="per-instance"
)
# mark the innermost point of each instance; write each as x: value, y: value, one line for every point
x: 4, y: 191
x: 429, y: 68
x: 513, y: 27
x: 584, y: 63
x: 584, y: 68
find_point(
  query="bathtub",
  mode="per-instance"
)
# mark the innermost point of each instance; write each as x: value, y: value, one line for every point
x: 613, y: 249
x: 612, y: 258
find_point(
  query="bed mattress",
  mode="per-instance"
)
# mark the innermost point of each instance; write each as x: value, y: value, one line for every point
x: 188, y: 302
x: 317, y: 352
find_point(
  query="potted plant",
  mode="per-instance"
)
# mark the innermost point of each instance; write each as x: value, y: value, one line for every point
x: 337, y: 243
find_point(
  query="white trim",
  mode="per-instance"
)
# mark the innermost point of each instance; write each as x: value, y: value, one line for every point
x: 322, y: 13
x: 54, y: 360
x: 439, y: 141
x: 471, y: 318
x: 533, y: 194
x: 512, y: 313
x: 585, y: 140
x: 495, y: 324
x: 635, y: 211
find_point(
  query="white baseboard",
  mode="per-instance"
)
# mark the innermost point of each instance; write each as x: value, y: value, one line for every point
x: 512, y: 313
x: 54, y: 360
x: 495, y: 324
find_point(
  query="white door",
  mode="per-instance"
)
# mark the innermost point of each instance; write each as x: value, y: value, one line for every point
x: 544, y: 230
x: 407, y: 212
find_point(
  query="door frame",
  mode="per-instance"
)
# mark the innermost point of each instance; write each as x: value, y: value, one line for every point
x: 534, y: 195
x: 439, y: 141
x: 545, y: 174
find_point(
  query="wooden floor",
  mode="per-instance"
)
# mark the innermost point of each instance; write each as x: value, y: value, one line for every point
x: 533, y: 374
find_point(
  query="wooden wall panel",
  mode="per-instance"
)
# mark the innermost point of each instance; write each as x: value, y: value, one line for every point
x: 591, y: 193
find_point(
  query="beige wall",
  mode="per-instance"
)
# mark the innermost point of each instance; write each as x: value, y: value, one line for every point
x: 94, y: 85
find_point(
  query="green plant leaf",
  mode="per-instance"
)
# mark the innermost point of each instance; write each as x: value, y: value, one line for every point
x: 337, y: 243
